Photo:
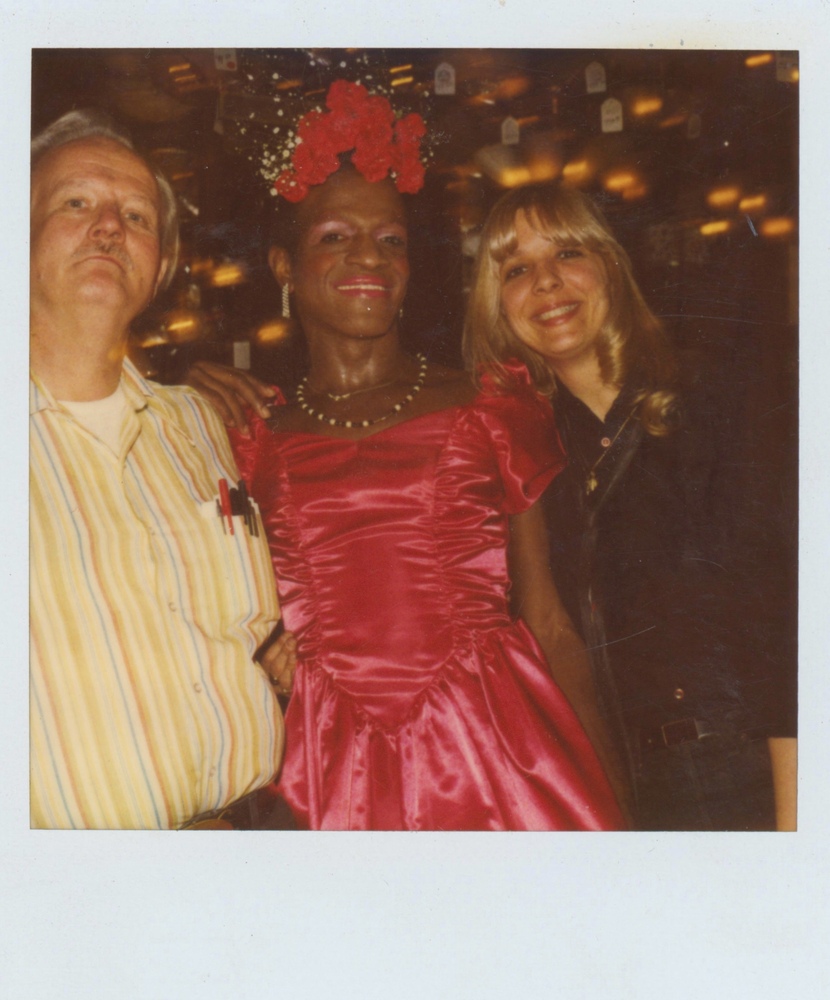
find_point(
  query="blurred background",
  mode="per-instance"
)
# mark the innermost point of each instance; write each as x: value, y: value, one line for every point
x: 693, y: 156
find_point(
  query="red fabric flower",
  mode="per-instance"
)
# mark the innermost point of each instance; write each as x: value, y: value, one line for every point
x: 406, y: 158
x: 345, y: 97
x: 290, y: 186
x: 363, y: 124
x: 410, y: 129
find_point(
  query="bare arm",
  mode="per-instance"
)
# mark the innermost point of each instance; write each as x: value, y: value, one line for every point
x: 783, y: 752
x: 230, y: 390
x: 536, y: 599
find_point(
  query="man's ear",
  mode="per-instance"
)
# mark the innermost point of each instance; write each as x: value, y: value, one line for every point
x: 280, y: 264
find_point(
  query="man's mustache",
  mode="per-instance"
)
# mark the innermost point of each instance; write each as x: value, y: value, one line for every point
x: 106, y: 249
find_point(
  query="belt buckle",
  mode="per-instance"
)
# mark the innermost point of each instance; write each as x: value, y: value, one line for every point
x: 682, y: 731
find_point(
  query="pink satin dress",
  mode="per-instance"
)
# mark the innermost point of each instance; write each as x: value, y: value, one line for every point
x: 418, y: 702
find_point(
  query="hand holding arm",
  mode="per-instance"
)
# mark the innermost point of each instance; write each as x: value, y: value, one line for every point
x: 230, y: 390
x: 279, y: 661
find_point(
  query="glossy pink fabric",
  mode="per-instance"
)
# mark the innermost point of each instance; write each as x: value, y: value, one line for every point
x: 418, y: 704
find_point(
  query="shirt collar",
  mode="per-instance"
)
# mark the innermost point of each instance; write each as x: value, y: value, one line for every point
x: 137, y: 390
x: 566, y: 403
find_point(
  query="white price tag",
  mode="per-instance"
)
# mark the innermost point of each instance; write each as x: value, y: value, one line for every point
x: 445, y: 79
x: 509, y: 132
x: 612, y: 115
x: 225, y: 59
x: 595, y: 78
x: 242, y: 354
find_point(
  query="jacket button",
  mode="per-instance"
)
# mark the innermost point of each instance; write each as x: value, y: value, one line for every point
x: 679, y: 693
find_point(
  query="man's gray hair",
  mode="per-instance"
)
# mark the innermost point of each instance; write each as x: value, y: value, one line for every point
x: 91, y: 123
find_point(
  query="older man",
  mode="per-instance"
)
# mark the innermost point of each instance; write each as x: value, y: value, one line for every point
x: 151, y: 587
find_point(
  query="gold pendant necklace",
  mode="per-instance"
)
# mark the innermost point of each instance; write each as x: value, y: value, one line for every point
x: 337, y: 397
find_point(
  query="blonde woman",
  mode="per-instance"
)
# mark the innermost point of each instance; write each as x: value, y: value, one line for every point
x: 647, y: 525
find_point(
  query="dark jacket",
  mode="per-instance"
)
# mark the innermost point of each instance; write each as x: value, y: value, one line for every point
x: 670, y: 567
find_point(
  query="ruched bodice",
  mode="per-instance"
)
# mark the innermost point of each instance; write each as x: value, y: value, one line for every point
x: 390, y: 556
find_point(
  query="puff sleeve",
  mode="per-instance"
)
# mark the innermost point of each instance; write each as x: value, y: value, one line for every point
x: 522, y: 429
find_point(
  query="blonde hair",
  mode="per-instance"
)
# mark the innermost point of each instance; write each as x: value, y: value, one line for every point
x: 631, y: 339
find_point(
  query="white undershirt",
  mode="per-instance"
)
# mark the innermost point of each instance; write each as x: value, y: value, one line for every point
x: 102, y: 417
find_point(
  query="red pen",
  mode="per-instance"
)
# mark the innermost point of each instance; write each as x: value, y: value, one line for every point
x: 225, y: 497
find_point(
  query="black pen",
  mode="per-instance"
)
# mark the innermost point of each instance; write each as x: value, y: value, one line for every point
x: 247, y: 510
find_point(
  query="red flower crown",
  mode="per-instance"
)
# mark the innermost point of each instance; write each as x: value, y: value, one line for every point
x: 363, y: 124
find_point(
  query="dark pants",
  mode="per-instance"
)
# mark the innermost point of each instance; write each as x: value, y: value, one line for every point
x: 723, y: 782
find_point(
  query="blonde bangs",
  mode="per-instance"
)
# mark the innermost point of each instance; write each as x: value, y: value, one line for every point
x: 501, y: 235
x: 567, y: 225
x: 564, y: 217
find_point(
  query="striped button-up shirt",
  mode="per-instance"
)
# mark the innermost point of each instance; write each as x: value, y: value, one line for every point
x: 146, y: 707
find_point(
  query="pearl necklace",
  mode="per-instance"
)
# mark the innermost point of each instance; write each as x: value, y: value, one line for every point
x: 334, y: 422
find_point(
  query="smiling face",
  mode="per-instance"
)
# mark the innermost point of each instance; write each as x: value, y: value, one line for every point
x: 554, y: 297
x: 94, y: 229
x: 350, y: 269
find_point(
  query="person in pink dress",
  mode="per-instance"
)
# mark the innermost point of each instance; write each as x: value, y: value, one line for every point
x: 399, y: 503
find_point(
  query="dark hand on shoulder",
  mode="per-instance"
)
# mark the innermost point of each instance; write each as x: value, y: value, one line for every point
x: 230, y: 391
